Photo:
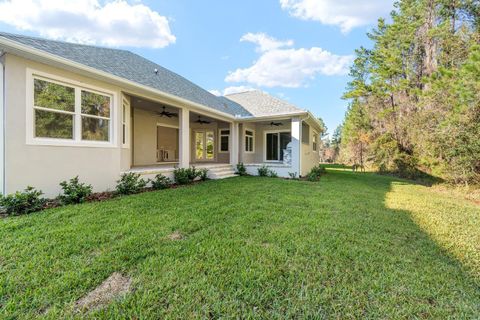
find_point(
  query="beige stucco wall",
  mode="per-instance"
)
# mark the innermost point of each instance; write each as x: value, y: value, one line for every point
x: 309, y: 158
x: 214, y: 126
x: 145, y: 135
x: 43, y: 166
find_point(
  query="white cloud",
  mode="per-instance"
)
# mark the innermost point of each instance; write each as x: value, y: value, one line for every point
x: 265, y: 42
x: 114, y: 23
x: 346, y: 14
x: 231, y: 90
x: 290, y: 67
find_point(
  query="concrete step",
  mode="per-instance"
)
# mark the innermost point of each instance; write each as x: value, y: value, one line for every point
x: 220, y: 171
x: 226, y: 176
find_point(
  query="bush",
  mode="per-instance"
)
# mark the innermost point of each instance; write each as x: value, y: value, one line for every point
x: 161, y: 182
x: 315, y: 173
x: 130, y: 183
x: 184, y: 175
x: 272, y: 174
x: 74, y: 191
x: 203, y: 174
x: 263, y: 171
x: 22, y: 202
x: 241, y: 170
x: 293, y: 175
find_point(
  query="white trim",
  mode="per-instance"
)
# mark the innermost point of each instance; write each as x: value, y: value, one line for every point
x: 125, y: 115
x: 204, y: 131
x: 220, y: 135
x: 160, y: 124
x: 265, y: 144
x: 77, y: 134
x: 253, y: 140
x: 2, y: 126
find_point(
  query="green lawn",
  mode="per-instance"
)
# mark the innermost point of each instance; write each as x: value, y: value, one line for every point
x: 351, y: 246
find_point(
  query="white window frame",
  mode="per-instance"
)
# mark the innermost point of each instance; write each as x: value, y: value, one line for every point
x: 125, y: 115
x: 253, y: 140
x: 315, y: 141
x: 220, y: 135
x: 265, y: 143
x: 77, y: 124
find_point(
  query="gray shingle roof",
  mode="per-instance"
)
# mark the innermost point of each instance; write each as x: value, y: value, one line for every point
x: 259, y: 103
x: 133, y: 67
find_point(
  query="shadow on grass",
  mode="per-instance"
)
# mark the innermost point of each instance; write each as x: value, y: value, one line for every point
x: 254, y: 248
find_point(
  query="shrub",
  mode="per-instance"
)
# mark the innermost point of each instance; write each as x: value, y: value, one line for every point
x: 23, y: 202
x: 315, y: 173
x: 74, y: 191
x: 161, y: 182
x: 263, y: 171
x: 272, y: 174
x: 182, y: 176
x: 130, y: 183
x: 293, y: 175
x: 192, y: 173
x: 203, y: 174
x: 241, y: 170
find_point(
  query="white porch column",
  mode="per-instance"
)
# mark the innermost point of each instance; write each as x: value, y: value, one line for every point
x: 184, y: 137
x: 234, y: 147
x: 296, y: 145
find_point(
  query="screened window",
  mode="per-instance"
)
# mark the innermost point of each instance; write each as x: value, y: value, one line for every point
x: 224, y: 140
x: 249, y: 135
x: 275, y: 144
x: 67, y: 112
x: 305, y: 133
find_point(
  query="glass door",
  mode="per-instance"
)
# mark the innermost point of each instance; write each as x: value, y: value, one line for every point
x: 204, y: 145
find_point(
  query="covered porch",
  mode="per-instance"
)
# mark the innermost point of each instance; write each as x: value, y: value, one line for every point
x: 164, y: 136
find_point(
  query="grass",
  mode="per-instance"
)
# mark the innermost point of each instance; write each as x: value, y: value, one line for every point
x: 350, y: 246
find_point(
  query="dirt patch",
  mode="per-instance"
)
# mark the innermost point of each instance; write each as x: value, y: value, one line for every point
x: 113, y: 287
x: 176, y: 236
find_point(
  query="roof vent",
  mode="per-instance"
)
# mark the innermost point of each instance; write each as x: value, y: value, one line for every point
x: 156, y: 71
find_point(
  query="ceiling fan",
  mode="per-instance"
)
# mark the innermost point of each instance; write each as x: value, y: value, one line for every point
x: 168, y: 114
x: 276, y: 124
x: 202, y: 121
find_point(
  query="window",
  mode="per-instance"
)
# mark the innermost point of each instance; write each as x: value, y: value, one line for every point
x: 305, y: 133
x: 54, y: 110
x: 314, y: 141
x: 95, y: 116
x: 249, y: 144
x: 224, y: 140
x: 275, y: 144
x: 125, y: 121
x: 64, y: 112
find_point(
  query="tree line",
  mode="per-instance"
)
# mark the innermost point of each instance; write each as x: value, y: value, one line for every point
x: 414, y: 96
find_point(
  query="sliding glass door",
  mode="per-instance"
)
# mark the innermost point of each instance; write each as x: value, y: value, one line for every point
x: 275, y: 143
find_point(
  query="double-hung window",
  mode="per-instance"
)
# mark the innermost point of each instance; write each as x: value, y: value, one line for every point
x: 249, y: 138
x: 65, y: 113
x: 314, y: 141
x: 224, y: 140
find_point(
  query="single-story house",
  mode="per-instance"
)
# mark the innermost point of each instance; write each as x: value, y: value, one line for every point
x: 70, y: 109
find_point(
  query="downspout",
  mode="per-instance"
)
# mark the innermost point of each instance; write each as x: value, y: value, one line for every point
x: 2, y: 122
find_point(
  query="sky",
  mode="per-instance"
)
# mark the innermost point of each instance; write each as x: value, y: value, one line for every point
x: 297, y: 50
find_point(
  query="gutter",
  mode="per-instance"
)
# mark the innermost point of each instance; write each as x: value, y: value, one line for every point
x: 2, y: 123
x: 43, y: 55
